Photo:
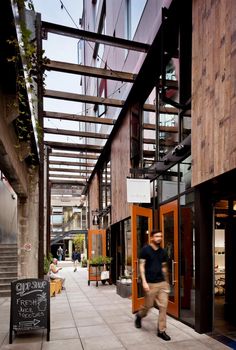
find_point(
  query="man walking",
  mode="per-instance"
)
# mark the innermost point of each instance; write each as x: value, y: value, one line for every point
x: 153, y: 271
x: 75, y: 259
x: 60, y: 253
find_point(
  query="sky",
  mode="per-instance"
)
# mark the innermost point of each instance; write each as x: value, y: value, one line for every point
x: 64, y: 49
x: 61, y: 48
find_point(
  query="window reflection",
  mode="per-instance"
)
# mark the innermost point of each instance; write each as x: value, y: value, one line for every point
x: 169, y: 246
x: 187, y: 259
x: 185, y: 174
x: 142, y: 240
x: 96, y: 245
x: 128, y: 249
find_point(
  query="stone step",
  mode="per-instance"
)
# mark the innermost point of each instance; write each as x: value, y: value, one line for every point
x: 8, y: 252
x: 7, y: 280
x: 5, y: 293
x: 8, y: 246
x: 8, y: 258
x: 2, y: 245
x: 6, y: 268
x: 5, y: 286
x: 8, y: 263
x: 7, y: 274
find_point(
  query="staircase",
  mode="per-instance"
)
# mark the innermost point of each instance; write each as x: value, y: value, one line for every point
x: 8, y: 268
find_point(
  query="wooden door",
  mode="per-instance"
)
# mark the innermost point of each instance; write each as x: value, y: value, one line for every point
x: 141, y: 226
x: 169, y: 227
x: 96, y: 247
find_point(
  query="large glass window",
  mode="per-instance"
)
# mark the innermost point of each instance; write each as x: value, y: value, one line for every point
x: 101, y: 47
x: 142, y: 240
x: 185, y: 174
x: 168, y: 184
x: 105, y: 195
x: 134, y: 12
x: 128, y: 248
x: 187, y: 259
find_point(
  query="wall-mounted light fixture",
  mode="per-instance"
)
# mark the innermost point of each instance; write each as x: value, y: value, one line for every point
x: 98, y: 213
x: 96, y: 220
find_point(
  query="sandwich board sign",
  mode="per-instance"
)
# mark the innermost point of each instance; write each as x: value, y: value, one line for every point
x: 30, y: 306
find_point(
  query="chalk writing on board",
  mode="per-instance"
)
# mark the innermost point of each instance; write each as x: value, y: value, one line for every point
x: 24, y: 288
x: 30, y: 305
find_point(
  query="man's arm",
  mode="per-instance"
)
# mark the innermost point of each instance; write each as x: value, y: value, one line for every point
x: 142, y: 274
x: 165, y: 271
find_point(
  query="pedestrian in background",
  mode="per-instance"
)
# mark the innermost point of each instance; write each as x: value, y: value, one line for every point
x: 60, y: 253
x: 75, y: 259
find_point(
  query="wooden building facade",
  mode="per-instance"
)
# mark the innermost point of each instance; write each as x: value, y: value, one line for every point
x: 175, y: 126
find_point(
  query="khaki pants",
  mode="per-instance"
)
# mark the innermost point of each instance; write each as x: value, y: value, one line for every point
x: 159, y: 292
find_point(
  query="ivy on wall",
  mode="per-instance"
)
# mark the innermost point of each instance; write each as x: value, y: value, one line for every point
x: 28, y: 64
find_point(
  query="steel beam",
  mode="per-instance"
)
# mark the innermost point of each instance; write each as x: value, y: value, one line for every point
x: 73, y: 146
x: 92, y: 36
x: 73, y: 155
x: 68, y: 96
x: 79, y: 118
x: 87, y: 165
x: 62, y: 176
x: 66, y: 184
x: 92, y: 135
x: 82, y: 171
x: 90, y: 71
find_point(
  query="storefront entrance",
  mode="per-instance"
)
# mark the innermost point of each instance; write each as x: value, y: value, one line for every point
x: 169, y: 227
x: 141, y: 226
x: 224, y: 317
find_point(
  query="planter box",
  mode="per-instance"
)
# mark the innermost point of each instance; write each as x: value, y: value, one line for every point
x: 124, y: 290
x: 94, y: 273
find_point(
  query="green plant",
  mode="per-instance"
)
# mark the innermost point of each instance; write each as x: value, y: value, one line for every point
x: 46, y: 263
x: 78, y: 242
x: 29, y: 63
x: 100, y: 260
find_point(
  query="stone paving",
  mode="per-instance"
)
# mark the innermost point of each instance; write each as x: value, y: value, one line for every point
x: 96, y: 318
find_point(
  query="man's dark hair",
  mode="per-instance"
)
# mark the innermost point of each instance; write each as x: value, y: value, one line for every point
x: 152, y: 233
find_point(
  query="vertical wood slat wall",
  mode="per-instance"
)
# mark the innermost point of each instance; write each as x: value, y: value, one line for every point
x: 213, y: 89
x: 120, y: 169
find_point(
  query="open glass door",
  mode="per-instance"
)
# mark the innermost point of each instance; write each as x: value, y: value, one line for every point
x: 169, y: 227
x: 141, y: 225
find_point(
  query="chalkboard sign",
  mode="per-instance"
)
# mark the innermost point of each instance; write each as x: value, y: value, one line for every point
x: 30, y: 306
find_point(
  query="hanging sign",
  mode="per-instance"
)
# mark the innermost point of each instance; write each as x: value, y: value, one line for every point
x: 138, y: 191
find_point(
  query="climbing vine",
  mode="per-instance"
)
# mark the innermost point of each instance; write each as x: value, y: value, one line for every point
x: 29, y: 65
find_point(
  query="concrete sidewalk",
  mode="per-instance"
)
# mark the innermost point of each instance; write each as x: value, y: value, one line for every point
x: 91, y: 318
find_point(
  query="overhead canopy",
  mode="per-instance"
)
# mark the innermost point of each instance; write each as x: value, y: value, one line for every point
x: 142, y: 83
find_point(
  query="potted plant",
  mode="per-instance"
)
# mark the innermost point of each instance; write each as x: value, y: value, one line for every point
x: 100, y: 260
x: 96, y: 267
